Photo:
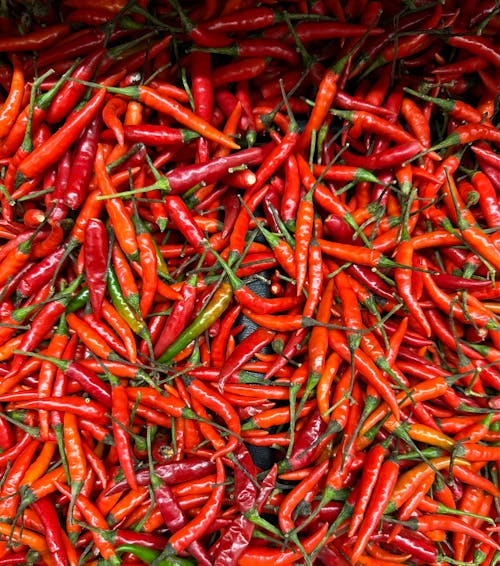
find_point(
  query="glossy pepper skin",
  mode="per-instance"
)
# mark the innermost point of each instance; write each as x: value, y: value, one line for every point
x: 249, y: 291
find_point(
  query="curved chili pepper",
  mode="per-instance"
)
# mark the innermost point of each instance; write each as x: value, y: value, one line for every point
x: 478, y: 45
x: 197, y: 526
x: 181, y: 178
x: 431, y: 522
x: 175, y: 519
x: 249, y: 346
x: 120, y: 303
x: 113, y: 109
x: 67, y: 98
x: 213, y: 310
x: 82, y: 164
x: 36, y: 40
x: 49, y: 152
x: 295, y: 495
x: 12, y: 104
x: 92, y: 514
x: 267, y: 556
x: 364, y: 366
x: 171, y: 107
x: 44, y: 320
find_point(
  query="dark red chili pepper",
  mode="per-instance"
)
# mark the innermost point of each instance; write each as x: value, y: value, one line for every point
x: 197, y: 526
x: 171, y: 473
x: 244, y: 20
x: 82, y: 164
x: 72, y: 46
x: 88, y: 379
x: 260, y: 47
x: 245, y: 69
x: 95, y: 249
x: 35, y: 40
x: 305, y: 444
x: 175, y: 519
x: 371, y: 471
x: 131, y: 58
x: 178, y: 318
x: 182, y: 218
x: 186, y: 177
x: 478, y: 45
x: 121, y: 418
x: 384, y: 159
x: 40, y: 273
x: 237, y: 536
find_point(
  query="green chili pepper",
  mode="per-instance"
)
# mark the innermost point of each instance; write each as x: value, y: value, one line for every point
x: 121, y: 305
x: 214, y: 309
x: 78, y: 301
x: 148, y: 555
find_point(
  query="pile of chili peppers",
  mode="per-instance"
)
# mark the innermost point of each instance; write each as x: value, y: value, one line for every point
x: 249, y: 306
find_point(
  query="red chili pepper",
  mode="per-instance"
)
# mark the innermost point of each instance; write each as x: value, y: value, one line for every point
x: 295, y: 495
x: 197, y: 526
x: 370, y: 475
x: 94, y: 517
x: 148, y: 266
x: 35, y: 40
x: 268, y: 556
x: 478, y: 45
x: 175, y: 519
x: 113, y: 109
x: 243, y: 352
x: 121, y: 221
x: 402, y: 275
x: 82, y: 165
x: 276, y: 157
x: 68, y: 97
x: 244, y: 20
x: 121, y: 418
x: 184, y: 116
x: 46, y: 510
x: 44, y: 320
x: 12, y: 104
x: 326, y: 94
x: 49, y: 152
x: 95, y: 248
x: 383, y: 488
